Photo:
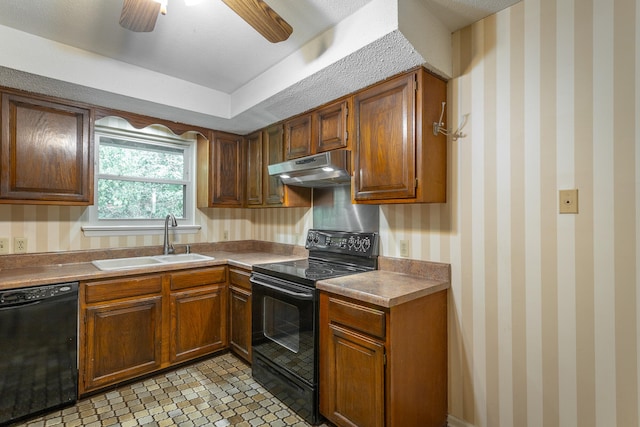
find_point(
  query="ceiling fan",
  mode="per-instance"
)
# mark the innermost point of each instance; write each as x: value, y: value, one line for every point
x: 141, y: 16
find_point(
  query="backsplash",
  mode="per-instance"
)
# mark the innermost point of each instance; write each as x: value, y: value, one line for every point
x: 58, y: 228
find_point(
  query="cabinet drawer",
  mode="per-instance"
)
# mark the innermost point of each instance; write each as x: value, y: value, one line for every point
x: 206, y: 276
x: 106, y: 290
x: 358, y: 317
x: 240, y: 278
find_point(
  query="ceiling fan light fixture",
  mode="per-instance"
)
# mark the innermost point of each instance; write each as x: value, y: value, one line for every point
x: 163, y: 6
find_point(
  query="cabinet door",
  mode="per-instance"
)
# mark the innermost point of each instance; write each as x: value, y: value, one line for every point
x: 274, y: 152
x: 330, y: 127
x: 227, y: 170
x: 198, y: 322
x: 254, y: 172
x: 352, y: 380
x: 240, y: 313
x: 240, y: 322
x: 385, y: 160
x: 123, y: 340
x: 297, y: 136
x: 46, y: 152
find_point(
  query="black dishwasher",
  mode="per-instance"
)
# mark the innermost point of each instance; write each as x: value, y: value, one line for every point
x: 38, y: 349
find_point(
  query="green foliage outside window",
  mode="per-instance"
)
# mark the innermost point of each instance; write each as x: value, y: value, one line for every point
x: 139, y: 180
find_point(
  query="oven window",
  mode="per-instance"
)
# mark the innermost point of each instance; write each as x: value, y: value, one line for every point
x: 282, y: 323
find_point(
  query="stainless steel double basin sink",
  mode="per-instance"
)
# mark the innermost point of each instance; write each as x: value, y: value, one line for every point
x: 147, y: 261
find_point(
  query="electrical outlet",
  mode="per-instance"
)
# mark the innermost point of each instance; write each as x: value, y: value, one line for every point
x: 568, y: 201
x: 225, y: 235
x: 4, y: 245
x: 20, y: 245
x: 404, y: 248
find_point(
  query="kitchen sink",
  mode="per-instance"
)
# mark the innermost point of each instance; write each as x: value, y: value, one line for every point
x: 126, y: 263
x: 182, y: 258
x: 147, y: 261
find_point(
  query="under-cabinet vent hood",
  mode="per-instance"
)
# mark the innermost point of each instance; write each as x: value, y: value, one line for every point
x: 326, y: 169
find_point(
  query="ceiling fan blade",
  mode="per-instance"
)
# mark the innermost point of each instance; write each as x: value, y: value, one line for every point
x: 139, y: 15
x: 262, y: 18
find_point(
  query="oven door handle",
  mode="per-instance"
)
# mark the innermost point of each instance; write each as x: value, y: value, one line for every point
x: 298, y: 295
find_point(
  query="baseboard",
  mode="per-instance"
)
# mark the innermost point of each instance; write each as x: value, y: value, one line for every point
x: 457, y: 422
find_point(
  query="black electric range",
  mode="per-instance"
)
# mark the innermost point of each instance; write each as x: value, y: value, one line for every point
x: 285, y: 314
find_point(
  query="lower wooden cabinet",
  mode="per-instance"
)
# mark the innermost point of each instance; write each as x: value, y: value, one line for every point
x: 383, y: 366
x: 120, y: 330
x: 136, y: 325
x: 198, y: 313
x: 356, y: 380
x: 240, y: 312
x: 123, y: 340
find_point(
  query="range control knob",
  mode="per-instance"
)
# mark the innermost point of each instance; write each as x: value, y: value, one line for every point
x: 366, y: 244
x: 351, y: 242
x: 358, y: 244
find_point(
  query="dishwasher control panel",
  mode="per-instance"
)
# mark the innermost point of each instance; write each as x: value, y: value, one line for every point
x: 22, y: 295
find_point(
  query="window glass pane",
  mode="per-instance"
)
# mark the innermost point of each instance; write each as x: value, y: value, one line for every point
x: 136, y: 159
x: 118, y: 199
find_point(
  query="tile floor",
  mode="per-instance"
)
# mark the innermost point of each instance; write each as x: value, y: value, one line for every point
x: 217, y: 392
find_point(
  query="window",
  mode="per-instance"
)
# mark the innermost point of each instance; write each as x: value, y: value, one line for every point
x: 140, y: 178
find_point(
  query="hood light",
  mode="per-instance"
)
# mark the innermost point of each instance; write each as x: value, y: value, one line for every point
x: 285, y: 176
x: 327, y: 169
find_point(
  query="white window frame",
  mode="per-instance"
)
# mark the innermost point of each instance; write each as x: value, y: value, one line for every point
x: 131, y: 227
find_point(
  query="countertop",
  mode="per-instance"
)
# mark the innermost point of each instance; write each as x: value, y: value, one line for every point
x: 397, y: 281
x: 382, y: 288
x: 13, y: 278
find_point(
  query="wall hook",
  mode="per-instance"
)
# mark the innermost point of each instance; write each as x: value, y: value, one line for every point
x: 439, y: 126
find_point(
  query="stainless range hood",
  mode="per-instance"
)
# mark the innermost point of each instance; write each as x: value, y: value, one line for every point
x: 326, y: 169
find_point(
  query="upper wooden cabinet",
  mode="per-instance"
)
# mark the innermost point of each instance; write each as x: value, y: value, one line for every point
x: 46, y: 151
x: 253, y: 169
x: 397, y: 157
x: 331, y: 126
x: 266, y: 147
x: 297, y: 136
x: 323, y: 129
x: 220, y: 172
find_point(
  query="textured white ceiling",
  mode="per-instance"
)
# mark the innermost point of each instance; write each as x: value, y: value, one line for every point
x: 207, y: 46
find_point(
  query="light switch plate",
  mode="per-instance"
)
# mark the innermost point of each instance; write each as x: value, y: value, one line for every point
x: 568, y: 201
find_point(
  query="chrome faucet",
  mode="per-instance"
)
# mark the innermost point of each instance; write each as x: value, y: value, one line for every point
x: 168, y: 248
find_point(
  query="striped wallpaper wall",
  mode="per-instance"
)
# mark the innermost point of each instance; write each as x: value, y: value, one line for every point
x: 544, y: 314
x: 58, y: 228
x: 544, y: 308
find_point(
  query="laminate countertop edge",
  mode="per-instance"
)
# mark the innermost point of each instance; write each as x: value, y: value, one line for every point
x: 382, y: 288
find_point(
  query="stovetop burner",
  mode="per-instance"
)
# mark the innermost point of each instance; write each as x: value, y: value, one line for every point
x: 331, y: 254
x: 307, y: 269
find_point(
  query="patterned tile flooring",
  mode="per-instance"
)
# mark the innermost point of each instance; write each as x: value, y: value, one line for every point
x: 216, y: 392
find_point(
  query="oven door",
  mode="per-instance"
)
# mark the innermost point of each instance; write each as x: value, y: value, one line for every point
x: 284, y: 325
